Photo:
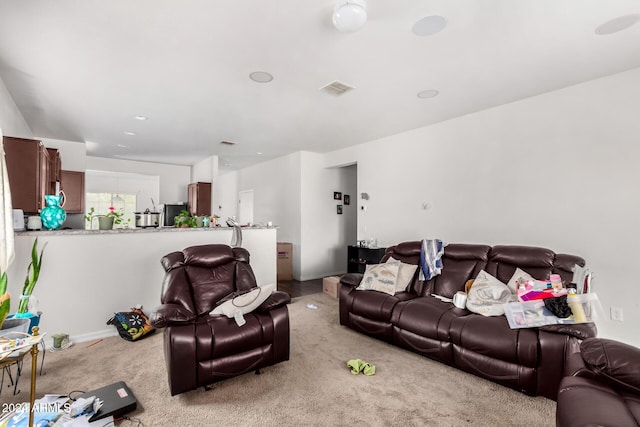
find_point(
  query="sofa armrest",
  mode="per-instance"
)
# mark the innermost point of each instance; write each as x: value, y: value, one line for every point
x: 168, y: 314
x: 574, y: 366
x: 581, y: 331
x: 613, y: 362
x: 351, y: 279
x: 275, y: 300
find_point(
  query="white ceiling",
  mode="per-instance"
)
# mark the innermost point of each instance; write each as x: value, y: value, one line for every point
x: 80, y: 70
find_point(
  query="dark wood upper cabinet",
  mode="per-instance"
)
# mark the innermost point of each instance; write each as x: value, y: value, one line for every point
x: 72, y: 186
x: 28, y: 171
x: 55, y: 167
x: 200, y: 198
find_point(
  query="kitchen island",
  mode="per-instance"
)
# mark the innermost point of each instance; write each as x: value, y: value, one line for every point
x: 87, y: 275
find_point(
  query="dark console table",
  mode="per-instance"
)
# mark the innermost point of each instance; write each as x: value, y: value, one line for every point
x: 358, y: 258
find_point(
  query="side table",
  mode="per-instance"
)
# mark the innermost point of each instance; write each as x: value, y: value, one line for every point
x: 358, y: 258
x: 31, y: 341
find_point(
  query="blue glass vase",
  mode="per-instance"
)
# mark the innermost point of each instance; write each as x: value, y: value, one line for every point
x: 53, y: 215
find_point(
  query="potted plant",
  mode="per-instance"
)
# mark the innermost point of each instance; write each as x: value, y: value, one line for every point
x: 106, y: 222
x: 33, y: 273
x: 184, y: 220
x: 118, y: 216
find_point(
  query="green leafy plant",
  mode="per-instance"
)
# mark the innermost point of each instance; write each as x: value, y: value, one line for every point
x: 184, y: 220
x: 89, y: 215
x: 118, y: 216
x: 33, y: 272
x: 5, y: 298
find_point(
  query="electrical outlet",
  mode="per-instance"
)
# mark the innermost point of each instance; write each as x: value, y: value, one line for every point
x: 616, y: 314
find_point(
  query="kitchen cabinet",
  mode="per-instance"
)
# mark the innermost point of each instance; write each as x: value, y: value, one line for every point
x: 200, y: 198
x: 28, y: 171
x: 55, y: 168
x: 72, y: 186
x: 358, y: 258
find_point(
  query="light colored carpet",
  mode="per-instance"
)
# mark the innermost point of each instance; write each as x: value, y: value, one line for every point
x: 314, y: 388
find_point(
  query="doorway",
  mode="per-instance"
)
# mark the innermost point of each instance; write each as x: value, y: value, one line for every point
x: 245, y: 207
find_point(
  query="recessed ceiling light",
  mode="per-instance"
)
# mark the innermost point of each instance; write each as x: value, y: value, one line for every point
x: 123, y: 146
x: 429, y: 93
x: 261, y: 77
x: 617, y: 24
x: 259, y: 153
x: 429, y: 25
x: 126, y: 132
x: 142, y: 118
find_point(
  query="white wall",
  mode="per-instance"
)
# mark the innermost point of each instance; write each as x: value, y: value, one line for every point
x: 85, y: 278
x: 558, y: 170
x: 324, y: 234
x: 277, y: 187
x: 11, y: 121
x: 72, y: 154
x: 174, y: 180
x: 145, y: 187
x: 226, y: 189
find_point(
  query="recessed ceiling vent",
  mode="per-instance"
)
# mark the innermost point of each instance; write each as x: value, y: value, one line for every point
x: 228, y: 143
x: 336, y: 88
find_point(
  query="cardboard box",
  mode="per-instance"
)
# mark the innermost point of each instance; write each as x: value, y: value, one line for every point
x: 331, y: 286
x: 285, y: 261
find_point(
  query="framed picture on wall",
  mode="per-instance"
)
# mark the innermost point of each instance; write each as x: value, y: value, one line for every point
x: 347, y: 199
x: 339, y: 209
x: 337, y: 195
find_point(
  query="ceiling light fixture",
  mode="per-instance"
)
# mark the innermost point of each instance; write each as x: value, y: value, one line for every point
x: 126, y: 132
x: 261, y: 77
x: 428, y: 93
x: 429, y: 25
x: 141, y: 118
x: 350, y: 15
x: 617, y: 24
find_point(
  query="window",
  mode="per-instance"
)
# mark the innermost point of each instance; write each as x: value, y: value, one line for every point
x: 101, y: 202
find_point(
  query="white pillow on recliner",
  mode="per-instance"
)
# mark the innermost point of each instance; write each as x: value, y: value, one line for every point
x: 487, y: 295
x: 244, y: 303
x: 405, y: 274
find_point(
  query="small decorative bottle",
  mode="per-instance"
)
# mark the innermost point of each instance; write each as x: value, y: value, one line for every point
x: 53, y: 216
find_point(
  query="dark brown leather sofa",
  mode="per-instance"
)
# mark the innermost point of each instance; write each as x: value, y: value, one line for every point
x: 529, y: 360
x: 603, y: 386
x: 201, y: 349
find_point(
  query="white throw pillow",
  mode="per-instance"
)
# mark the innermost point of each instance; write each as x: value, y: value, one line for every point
x: 513, y: 282
x: 487, y: 295
x: 380, y: 277
x: 244, y: 303
x: 405, y: 274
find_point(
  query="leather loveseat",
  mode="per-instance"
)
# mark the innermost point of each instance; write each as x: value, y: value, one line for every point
x: 201, y: 349
x: 530, y: 360
x: 603, y: 386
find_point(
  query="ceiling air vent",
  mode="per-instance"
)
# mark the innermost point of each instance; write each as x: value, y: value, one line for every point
x: 227, y: 143
x: 336, y: 88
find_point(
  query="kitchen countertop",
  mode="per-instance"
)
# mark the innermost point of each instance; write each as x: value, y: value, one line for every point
x: 81, y: 232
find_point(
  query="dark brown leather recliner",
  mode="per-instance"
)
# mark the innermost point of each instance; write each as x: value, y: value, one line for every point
x: 602, y: 386
x: 201, y: 349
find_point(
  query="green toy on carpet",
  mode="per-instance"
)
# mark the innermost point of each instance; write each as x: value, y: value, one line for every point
x: 358, y: 365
